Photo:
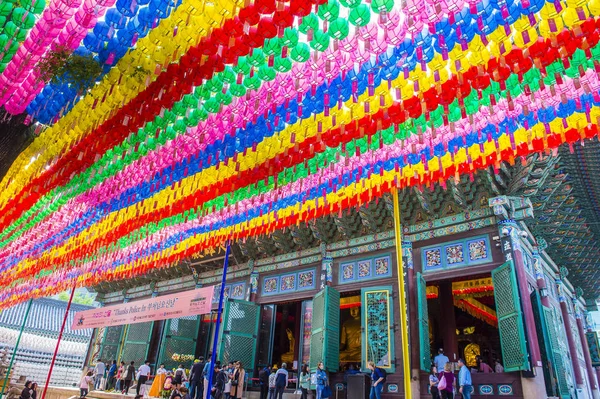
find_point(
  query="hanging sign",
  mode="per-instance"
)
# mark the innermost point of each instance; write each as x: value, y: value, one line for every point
x: 186, y: 303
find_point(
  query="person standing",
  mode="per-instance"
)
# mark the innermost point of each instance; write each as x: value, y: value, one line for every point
x: 272, y: 381
x: 237, y: 383
x: 99, y: 371
x: 142, y: 376
x: 180, y: 376
x: 321, y: 376
x: 120, y: 376
x: 447, y: 382
x: 281, y: 381
x: 129, y: 376
x: 110, y: 380
x: 219, y: 381
x: 498, y: 368
x: 34, y: 387
x: 84, y: 385
x: 205, y: 374
x: 196, y: 378
x: 433, y: 383
x: 440, y: 360
x: 263, y: 378
x: 464, y: 380
x: 378, y: 377
x: 305, y: 381
x: 483, y: 367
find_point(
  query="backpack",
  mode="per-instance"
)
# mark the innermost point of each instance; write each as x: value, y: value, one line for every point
x: 178, y: 373
x: 280, y: 380
x: 380, y: 373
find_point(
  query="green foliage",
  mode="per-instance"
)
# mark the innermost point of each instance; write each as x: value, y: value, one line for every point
x: 77, y: 70
x: 81, y: 298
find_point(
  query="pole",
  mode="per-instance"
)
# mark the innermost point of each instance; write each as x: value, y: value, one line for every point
x: 60, y: 334
x: 402, y: 296
x: 14, y: 354
x: 213, y: 358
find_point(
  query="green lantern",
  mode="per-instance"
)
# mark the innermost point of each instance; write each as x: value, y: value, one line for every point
x: 282, y: 64
x: 380, y: 6
x: 360, y: 16
x: 267, y: 74
x: 289, y: 38
x: 300, y: 53
x: 339, y: 29
x: 310, y: 22
x: 329, y: 11
x: 320, y: 41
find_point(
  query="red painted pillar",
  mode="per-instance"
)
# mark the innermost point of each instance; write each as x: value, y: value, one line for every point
x: 539, y: 272
x: 569, y: 334
x: 511, y: 247
x: 586, y: 355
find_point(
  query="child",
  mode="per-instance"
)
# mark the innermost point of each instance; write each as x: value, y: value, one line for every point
x: 184, y: 393
x: 272, y: 381
x: 84, y: 385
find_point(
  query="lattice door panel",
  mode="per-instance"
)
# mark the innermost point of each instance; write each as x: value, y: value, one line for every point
x: 136, y: 343
x: 240, y: 330
x: 179, y: 339
x: 423, y: 316
x: 510, y: 318
x: 557, y: 357
x: 378, y: 337
x: 111, y: 344
x: 325, y: 333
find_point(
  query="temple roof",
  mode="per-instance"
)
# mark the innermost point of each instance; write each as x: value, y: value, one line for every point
x: 45, y: 318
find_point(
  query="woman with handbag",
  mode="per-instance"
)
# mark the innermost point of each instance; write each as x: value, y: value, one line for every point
x: 447, y: 381
x: 433, y: 383
x: 323, y: 390
x: 237, y: 384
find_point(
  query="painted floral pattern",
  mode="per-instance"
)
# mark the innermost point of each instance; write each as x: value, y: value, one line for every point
x: 288, y: 283
x: 364, y: 268
x: 306, y: 279
x: 270, y: 285
x: 454, y: 254
x: 382, y: 266
x: 238, y: 291
x: 477, y: 250
x: 348, y: 271
x: 433, y: 257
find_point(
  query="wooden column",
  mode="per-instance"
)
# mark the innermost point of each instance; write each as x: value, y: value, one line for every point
x: 568, y: 332
x: 511, y: 247
x: 448, y: 321
x: 413, y: 325
x: 539, y: 271
x: 586, y: 355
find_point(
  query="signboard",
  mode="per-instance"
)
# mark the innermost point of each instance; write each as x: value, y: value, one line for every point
x: 186, y: 303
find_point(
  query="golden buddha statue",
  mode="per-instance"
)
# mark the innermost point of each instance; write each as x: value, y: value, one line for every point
x: 288, y: 357
x: 351, y: 338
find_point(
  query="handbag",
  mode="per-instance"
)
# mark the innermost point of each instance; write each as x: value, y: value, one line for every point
x: 442, y: 384
x: 326, y: 392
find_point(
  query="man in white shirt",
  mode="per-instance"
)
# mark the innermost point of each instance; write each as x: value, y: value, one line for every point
x: 440, y: 360
x: 99, y: 371
x: 142, y: 376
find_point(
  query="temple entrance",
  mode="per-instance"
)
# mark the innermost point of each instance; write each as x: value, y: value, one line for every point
x: 463, y: 321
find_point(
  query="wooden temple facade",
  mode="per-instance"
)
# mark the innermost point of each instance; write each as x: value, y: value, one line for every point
x: 500, y: 265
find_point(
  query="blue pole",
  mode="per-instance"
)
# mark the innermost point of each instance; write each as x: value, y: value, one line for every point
x: 213, y: 358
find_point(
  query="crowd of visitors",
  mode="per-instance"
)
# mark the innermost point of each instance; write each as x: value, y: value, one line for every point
x: 444, y: 384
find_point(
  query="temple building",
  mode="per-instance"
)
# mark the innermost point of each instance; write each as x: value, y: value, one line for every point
x: 502, y: 265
